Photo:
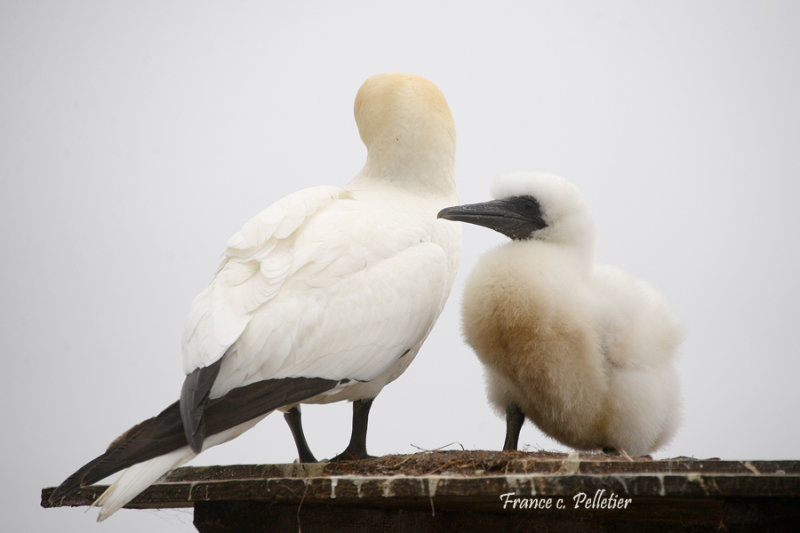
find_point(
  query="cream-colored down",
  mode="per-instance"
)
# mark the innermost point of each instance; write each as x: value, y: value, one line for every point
x: 586, y: 351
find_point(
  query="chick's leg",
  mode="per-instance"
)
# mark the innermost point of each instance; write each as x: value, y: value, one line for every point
x: 514, y: 420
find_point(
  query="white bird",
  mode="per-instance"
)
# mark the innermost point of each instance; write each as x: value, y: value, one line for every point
x: 326, y: 295
x: 584, y: 351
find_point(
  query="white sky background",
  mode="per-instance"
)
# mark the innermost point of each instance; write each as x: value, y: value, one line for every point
x: 136, y: 138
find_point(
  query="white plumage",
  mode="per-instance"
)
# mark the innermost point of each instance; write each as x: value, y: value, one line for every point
x: 336, y: 299
x: 584, y: 351
x: 340, y: 284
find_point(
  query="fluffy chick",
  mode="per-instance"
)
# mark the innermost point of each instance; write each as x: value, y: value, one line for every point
x: 585, y: 351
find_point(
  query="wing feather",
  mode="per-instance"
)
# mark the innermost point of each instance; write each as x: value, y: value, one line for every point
x: 340, y: 294
x: 255, y: 264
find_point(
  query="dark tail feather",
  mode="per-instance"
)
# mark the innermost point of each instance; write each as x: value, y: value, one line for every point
x: 165, y: 433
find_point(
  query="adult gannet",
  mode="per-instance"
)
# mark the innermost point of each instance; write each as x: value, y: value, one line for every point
x: 584, y: 351
x: 326, y: 295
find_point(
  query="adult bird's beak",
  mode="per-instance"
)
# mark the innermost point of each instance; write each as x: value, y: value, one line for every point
x: 516, y: 217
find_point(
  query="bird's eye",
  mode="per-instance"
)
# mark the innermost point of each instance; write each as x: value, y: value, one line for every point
x: 530, y: 204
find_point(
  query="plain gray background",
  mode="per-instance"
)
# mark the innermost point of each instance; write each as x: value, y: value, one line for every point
x: 136, y: 137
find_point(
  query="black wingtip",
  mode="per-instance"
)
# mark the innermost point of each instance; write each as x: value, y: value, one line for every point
x: 166, y: 431
x: 150, y: 438
x: 194, y: 399
x: 196, y: 444
x: 73, y: 482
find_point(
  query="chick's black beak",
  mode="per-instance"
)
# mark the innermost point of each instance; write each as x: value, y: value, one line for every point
x: 518, y: 217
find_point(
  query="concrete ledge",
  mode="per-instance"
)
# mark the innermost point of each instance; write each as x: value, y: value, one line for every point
x: 442, y: 491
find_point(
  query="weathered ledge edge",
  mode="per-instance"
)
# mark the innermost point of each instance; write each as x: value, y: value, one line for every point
x: 457, y: 477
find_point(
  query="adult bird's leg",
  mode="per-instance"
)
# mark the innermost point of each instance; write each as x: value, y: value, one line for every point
x: 292, y: 417
x: 514, y: 420
x: 357, y: 449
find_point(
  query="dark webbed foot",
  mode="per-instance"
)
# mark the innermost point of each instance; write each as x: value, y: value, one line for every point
x: 357, y: 449
x: 348, y: 455
x: 293, y: 418
x: 514, y: 420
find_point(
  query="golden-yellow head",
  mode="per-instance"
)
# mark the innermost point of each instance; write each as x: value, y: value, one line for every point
x: 406, y: 125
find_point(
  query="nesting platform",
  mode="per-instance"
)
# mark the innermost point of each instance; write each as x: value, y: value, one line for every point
x: 481, y: 491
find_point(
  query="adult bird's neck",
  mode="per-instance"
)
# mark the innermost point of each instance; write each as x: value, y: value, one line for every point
x: 419, y: 168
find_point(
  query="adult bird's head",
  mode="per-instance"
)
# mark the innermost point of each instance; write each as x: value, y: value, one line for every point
x: 407, y: 128
x: 531, y: 205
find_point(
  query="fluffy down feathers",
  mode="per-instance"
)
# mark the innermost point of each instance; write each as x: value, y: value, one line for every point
x: 585, y: 350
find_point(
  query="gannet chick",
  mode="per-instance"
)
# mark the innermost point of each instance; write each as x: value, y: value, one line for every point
x: 584, y: 351
x: 326, y: 295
